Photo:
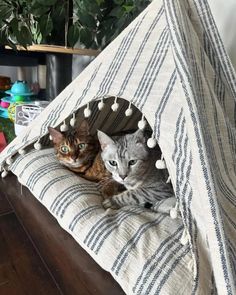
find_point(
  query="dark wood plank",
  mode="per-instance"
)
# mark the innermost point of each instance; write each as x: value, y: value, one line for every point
x: 21, y: 269
x: 5, y: 207
x: 73, y: 269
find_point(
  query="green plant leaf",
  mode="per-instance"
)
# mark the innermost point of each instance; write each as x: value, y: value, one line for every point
x: 128, y: 8
x: 118, y: 2
x: 14, y: 24
x: 10, y: 43
x: 5, y: 11
x: 122, y: 22
x: 108, y: 23
x: 38, y: 10
x: 85, y: 37
x: 26, y: 34
x: 99, y: 21
x: 46, y: 25
x: 38, y: 38
x: 90, y: 6
x: 24, y: 37
x: 99, y: 2
x: 3, y: 37
x: 59, y: 12
x: 118, y: 12
x: 47, y: 2
x: 73, y: 35
x: 36, y: 34
x: 86, y: 19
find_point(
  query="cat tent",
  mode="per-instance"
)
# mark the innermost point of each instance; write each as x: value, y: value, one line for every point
x: 170, y: 65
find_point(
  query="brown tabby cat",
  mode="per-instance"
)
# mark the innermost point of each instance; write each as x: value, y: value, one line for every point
x: 79, y: 151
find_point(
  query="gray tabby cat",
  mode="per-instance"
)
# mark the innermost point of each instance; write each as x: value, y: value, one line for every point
x: 132, y: 164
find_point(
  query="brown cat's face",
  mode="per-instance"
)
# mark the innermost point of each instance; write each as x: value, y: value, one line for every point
x: 75, y: 148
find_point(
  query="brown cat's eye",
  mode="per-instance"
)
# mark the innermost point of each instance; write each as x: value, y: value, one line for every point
x: 82, y: 146
x: 64, y: 149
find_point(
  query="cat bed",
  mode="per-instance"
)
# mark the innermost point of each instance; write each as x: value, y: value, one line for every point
x: 142, y: 249
x: 171, y: 65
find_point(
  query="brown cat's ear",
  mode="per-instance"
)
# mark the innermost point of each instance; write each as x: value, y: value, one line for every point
x: 56, y: 135
x: 105, y: 140
x: 84, y: 127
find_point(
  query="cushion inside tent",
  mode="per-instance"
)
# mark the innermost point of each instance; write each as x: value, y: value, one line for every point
x: 171, y: 65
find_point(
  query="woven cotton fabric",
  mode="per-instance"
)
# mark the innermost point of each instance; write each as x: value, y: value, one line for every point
x: 141, y: 248
x: 171, y: 64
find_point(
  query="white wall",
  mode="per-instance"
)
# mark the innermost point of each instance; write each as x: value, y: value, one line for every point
x: 224, y: 12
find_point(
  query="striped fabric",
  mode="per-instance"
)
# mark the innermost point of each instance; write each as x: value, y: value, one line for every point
x: 171, y: 65
x: 141, y: 248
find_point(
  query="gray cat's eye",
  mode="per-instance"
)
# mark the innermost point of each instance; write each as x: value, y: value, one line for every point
x: 81, y: 146
x: 64, y: 149
x: 132, y: 162
x: 112, y: 163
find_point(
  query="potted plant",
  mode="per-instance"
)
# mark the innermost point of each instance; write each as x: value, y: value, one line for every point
x: 94, y: 23
x: 98, y: 22
x: 24, y: 22
x: 89, y: 23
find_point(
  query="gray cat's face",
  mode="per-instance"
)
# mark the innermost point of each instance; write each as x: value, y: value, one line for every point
x: 126, y: 158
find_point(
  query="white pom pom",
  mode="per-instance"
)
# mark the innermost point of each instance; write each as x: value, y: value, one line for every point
x: 22, y: 152
x: 152, y: 142
x: 115, y: 107
x: 168, y: 179
x: 191, y: 265
x: 37, y: 146
x: 101, y: 105
x: 4, y: 173
x: 72, y: 122
x: 160, y: 164
x: 87, y: 112
x: 9, y: 161
x: 184, y: 238
x: 173, y: 213
x: 141, y: 124
x: 128, y: 112
x: 64, y: 127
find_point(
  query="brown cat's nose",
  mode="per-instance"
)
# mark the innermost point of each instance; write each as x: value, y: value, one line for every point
x: 74, y: 158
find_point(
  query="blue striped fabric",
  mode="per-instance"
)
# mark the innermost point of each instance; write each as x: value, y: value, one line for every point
x: 171, y: 65
x: 120, y: 240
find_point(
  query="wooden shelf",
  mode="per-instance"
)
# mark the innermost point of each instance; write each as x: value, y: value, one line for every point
x: 58, y: 49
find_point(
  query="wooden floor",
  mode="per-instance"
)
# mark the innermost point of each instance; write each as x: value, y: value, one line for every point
x: 38, y: 257
x: 21, y: 269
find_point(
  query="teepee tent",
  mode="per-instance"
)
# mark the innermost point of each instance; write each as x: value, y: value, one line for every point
x: 169, y: 65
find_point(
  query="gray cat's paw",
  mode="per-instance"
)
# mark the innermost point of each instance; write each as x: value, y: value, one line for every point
x: 109, y: 203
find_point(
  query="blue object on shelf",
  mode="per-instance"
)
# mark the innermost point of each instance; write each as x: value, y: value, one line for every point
x: 3, y: 113
x: 20, y: 88
x: 11, y: 99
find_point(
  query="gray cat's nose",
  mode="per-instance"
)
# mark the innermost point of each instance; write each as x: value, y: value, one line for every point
x: 123, y: 176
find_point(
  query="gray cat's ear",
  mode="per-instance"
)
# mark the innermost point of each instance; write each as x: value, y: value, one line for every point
x: 104, y: 140
x: 84, y: 127
x: 56, y: 135
x: 139, y: 136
